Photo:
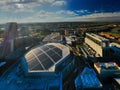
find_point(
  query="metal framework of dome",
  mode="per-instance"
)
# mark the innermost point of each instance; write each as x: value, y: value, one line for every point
x: 46, y: 56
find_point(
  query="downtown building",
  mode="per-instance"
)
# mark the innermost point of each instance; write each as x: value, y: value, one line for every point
x: 96, y: 45
x: 43, y: 68
x: 9, y: 35
x: 107, y: 69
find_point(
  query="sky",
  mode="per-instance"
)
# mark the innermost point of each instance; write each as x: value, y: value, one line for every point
x: 23, y: 11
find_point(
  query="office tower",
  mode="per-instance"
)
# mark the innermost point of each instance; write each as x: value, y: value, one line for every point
x: 9, y: 35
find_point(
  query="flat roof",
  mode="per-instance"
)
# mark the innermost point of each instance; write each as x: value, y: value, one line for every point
x: 97, y: 36
x: 115, y: 44
x: 107, y: 65
x: 88, y: 79
x: 53, y: 37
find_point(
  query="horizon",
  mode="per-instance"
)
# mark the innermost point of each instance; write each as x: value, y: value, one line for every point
x: 62, y: 22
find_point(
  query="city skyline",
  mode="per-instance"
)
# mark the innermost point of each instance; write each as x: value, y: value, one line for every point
x: 23, y: 11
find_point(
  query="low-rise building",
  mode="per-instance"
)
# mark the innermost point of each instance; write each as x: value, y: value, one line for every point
x: 53, y: 38
x: 107, y: 69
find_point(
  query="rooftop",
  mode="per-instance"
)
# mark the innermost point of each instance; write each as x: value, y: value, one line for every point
x: 44, y: 58
x: 107, y: 65
x: 97, y: 37
x: 115, y: 44
x: 53, y: 37
x: 88, y: 79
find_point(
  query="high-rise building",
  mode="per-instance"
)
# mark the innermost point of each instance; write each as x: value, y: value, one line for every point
x: 9, y: 35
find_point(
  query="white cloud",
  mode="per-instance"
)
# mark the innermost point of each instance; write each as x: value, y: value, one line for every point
x: 59, y: 3
x: 22, y: 5
x: 82, y: 11
x: 103, y: 15
x: 28, y: 6
x: 46, y: 1
x: 72, y: 16
x: 60, y: 13
x: 97, y: 17
x: 65, y: 15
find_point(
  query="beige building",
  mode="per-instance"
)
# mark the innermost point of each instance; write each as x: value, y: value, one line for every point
x: 98, y: 44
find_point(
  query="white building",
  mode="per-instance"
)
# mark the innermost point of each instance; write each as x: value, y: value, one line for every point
x: 98, y: 44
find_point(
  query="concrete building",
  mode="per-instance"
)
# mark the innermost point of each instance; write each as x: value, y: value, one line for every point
x: 99, y: 44
x: 107, y: 69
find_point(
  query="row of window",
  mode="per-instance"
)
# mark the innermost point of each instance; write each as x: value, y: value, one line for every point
x: 94, y: 40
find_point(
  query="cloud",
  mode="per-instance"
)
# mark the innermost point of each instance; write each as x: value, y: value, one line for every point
x: 97, y: 17
x: 67, y: 15
x: 60, y: 13
x: 22, y: 5
x: 103, y: 15
x: 59, y: 3
x: 82, y: 11
x: 63, y: 15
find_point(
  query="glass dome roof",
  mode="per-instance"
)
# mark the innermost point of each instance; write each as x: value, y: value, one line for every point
x: 44, y: 57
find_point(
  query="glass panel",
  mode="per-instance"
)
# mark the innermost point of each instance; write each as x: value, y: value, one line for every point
x: 50, y: 46
x: 47, y: 63
x: 58, y: 51
x: 44, y: 48
x: 32, y: 63
x: 38, y: 67
x: 42, y: 57
x: 50, y: 52
x: 37, y: 51
x: 56, y: 58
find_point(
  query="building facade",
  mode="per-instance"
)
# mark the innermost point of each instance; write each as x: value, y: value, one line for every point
x: 9, y: 36
x: 52, y: 63
x: 99, y: 44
